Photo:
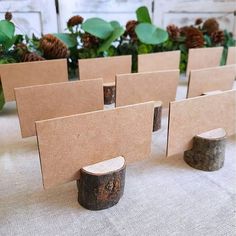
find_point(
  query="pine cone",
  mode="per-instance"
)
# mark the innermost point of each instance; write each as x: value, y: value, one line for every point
x: 31, y: 56
x: 52, y: 47
x: 75, y: 20
x: 130, y: 29
x: 8, y: 16
x: 194, y: 37
x: 173, y: 31
x: 218, y: 37
x: 210, y: 26
x: 89, y: 40
x: 198, y: 21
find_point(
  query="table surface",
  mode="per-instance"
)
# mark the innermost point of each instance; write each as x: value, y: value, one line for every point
x: 163, y: 196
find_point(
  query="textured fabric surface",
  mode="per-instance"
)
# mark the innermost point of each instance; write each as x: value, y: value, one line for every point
x: 163, y: 196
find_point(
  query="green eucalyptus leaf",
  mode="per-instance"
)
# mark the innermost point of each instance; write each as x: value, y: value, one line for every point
x: 115, y: 24
x: 69, y: 39
x: 7, y: 28
x: 116, y: 34
x: 98, y: 27
x: 149, y: 34
x: 142, y: 15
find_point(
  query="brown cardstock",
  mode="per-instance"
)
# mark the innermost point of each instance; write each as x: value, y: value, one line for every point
x: 31, y: 73
x: 69, y: 143
x: 143, y: 87
x: 194, y: 116
x: 231, y: 57
x: 105, y: 67
x: 42, y: 102
x: 210, y: 79
x: 159, y: 61
x: 199, y: 58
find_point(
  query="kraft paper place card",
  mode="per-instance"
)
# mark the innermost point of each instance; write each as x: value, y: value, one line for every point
x: 104, y: 67
x: 159, y: 61
x: 210, y: 79
x: 31, y: 73
x: 193, y: 116
x: 231, y: 57
x: 199, y: 58
x: 42, y: 102
x: 147, y: 86
x: 69, y: 143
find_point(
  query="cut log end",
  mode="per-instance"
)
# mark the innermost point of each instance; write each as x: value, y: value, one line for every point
x: 109, y: 90
x: 157, y: 116
x: 208, y: 151
x: 102, y: 185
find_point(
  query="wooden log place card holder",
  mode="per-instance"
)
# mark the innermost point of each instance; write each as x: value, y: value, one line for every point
x: 208, y: 151
x: 47, y: 101
x: 147, y: 86
x: 199, y: 58
x: 106, y: 68
x: 31, y: 73
x: 231, y: 57
x: 67, y: 144
x: 101, y: 185
x: 159, y: 61
x: 210, y: 79
x: 191, y: 117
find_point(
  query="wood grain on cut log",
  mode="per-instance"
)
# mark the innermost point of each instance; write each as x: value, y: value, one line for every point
x: 208, y: 151
x: 102, y: 185
x: 109, y: 90
x: 157, y: 116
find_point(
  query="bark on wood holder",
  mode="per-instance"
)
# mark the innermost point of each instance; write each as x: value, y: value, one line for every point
x: 208, y: 151
x: 157, y: 116
x: 101, y: 185
x: 109, y: 90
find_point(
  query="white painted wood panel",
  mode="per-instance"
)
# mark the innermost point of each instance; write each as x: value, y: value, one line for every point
x: 184, y: 12
x: 31, y: 16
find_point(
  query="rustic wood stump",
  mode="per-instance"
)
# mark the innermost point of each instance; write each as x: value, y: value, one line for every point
x: 157, y: 116
x: 208, y: 152
x: 109, y: 90
x: 102, y: 185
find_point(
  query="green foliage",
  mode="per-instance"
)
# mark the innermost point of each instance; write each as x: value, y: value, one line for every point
x: 117, y: 32
x: 70, y: 40
x: 98, y: 27
x: 149, y: 34
x: 7, y: 30
x: 229, y: 41
x: 208, y: 40
x: 142, y: 15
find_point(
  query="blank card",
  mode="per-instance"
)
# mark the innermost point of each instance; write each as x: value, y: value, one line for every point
x: 69, y: 143
x: 210, y: 79
x: 104, y: 67
x: 199, y: 58
x: 143, y: 87
x: 42, y: 102
x: 193, y: 116
x: 31, y: 73
x: 159, y: 61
